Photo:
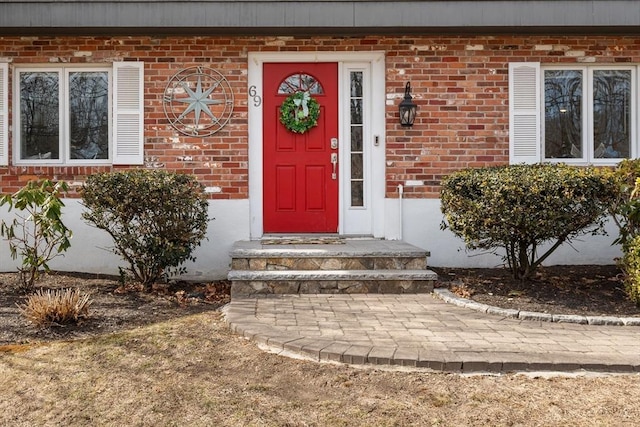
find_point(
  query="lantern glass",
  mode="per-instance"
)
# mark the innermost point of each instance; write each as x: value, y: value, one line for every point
x: 407, y: 108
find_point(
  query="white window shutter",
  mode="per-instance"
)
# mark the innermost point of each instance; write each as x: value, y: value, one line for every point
x: 524, y: 112
x: 4, y: 114
x: 128, y: 113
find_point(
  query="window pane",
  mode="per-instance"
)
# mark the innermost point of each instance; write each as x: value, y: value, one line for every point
x: 611, y: 113
x: 357, y: 193
x: 563, y: 114
x: 356, y: 138
x: 356, y: 84
x: 89, y: 115
x: 300, y: 82
x: 356, y: 166
x: 356, y: 111
x: 39, y: 121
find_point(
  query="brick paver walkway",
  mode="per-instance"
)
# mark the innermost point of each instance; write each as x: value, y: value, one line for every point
x: 422, y: 331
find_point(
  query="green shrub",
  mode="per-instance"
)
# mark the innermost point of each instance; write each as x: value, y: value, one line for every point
x: 625, y: 211
x: 155, y: 218
x: 518, y: 208
x: 625, y: 207
x: 56, y: 307
x: 631, y: 266
x: 39, y: 235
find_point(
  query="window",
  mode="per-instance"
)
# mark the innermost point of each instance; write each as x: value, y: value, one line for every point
x: 356, y: 121
x: 4, y: 114
x: 572, y: 114
x: 588, y: 114
x: 64, y: 115
x: 300, y: 82
x: 75, y: 115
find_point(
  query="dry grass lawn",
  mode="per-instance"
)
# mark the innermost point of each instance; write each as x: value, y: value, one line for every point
x: 191, y: 371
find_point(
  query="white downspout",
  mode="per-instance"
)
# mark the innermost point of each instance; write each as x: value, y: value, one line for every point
x: 400, y: 192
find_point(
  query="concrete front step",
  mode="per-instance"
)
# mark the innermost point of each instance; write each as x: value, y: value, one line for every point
x: 365, y: 254
x: 248, y: 282
x: 333, y: 265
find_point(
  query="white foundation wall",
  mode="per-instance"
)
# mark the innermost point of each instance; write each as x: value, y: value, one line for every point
x: 420, y: 226
x: 89, y: 251
x: 417, y: 222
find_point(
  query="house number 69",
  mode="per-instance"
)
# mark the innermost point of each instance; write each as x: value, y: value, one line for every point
x: 257, y: 100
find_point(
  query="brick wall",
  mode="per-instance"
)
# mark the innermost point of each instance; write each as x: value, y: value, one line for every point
x: 459, y: 83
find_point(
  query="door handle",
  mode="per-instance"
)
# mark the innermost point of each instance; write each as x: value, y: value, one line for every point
x: 334, y: 162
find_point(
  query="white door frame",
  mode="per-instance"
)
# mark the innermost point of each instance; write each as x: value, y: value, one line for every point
x: 376, y: 166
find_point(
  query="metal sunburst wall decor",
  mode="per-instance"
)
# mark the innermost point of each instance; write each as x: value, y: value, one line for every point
x: 198, y: 101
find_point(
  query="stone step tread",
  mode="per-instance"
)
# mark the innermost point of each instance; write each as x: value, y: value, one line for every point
x: 333, y: 254
x: 267, y: 275
x: 325, y: 253
x: 350, y: 263
x: 363, y: 249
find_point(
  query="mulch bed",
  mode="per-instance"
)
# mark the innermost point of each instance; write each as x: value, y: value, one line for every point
x: 594, y: 290
x: 583, y: 290
x: 114, y: 307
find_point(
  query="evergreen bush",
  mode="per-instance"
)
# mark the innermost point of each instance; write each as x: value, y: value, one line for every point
x: 519, y: 208
x: 625, y: 211
x: 156, y: 218
x: 631, y: 267
x: 625, y: 207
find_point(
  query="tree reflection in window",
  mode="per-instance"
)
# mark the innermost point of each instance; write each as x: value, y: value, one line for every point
x: 563, y: 113
x: 357, y: 143
x: 83, y: 122
x: 611, y: 113
x: 89, y: 115
x: 300, y: 82
x: 39, y: 115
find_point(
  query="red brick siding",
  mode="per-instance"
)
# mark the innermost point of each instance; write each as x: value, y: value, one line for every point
x: 459, y: 83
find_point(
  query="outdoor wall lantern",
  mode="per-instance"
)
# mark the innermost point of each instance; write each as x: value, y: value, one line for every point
x: 407, y: 108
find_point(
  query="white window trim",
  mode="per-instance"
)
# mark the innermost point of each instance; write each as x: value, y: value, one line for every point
x: 587, y: 116
x: 67, y: 147
x: 17, y: 134
x: 526, y: 113
x: 357, y: 219
x: 63, y: 112
x: 4, y: 114
x: 569, y: 67
x: 633, y: 143
x: 126, y: 115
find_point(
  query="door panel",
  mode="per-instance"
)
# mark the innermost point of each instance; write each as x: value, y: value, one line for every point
x: 314, y: 191
x: 286, y: 188
x: 300, y: 193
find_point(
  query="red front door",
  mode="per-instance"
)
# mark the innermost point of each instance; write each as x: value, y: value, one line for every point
x: 300, y: 179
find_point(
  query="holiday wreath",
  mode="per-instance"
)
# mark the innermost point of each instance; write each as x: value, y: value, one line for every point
x: 299, y: 112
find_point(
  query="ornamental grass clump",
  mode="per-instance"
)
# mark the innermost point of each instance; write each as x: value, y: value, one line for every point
x: 523, y: 207
x: 57, y: 307
x: 156, y: 219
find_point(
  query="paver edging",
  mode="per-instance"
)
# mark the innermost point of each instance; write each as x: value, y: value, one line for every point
x: 464, y: 361
x: 450, y: 298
